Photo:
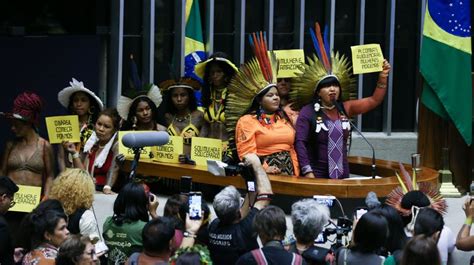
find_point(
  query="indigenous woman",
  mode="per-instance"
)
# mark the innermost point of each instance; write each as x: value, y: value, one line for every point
x: 140, y: 113
x: 181, y: 114
x: 264, y: 129
x: 86, y: 105
x: 284, y: 88
x: 216, y: 73
x: 323, y: 124
x: 28, y: 159
x: 100, y: 151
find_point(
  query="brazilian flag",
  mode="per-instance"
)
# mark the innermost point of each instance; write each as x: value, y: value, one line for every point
x: 194, y: 51
x: 445, y: 63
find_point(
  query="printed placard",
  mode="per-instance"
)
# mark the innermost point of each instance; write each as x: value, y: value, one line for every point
x: 169, y: 153
x: 367, y: 58
x: 63, y: 128
x: 128, y: 152
x: 203, y: 149
x: 26, y: 199
x: 290, y: 62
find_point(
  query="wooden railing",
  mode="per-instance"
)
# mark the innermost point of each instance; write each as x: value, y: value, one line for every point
x: 299, y: 186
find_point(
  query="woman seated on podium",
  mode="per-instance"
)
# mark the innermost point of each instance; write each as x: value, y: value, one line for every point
x: 181, y: 113
x: 323, y: 126
x: 264, y: 129
x: 139, y: 110
x: 80, y: 101
x: 100, y: 151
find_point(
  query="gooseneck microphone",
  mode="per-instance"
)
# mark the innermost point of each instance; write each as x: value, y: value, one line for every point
x: 341, y: 110
x: 142, y: 139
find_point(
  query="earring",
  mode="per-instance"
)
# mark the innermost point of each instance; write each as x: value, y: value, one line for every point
x: 134, y: 122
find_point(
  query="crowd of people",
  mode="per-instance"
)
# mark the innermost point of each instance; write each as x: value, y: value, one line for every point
x: 270, y: 123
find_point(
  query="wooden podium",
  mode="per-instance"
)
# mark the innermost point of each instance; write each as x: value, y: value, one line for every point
x: 299, y: 186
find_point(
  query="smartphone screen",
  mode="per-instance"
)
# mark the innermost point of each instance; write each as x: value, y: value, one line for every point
x: 195, y: 205
x: 359, y: 212
x: 251, y: 186
x: 185, y: 184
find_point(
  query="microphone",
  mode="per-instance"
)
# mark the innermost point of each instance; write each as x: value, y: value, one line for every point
x: 341, y: 110
x: 372, y: 201
x: 142, y: 139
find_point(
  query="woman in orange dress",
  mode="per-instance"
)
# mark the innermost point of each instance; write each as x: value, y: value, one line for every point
x: 264, y: 129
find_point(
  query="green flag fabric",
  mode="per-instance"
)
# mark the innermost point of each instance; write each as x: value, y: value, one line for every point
x: 445, y: 63
x: 194, y: 51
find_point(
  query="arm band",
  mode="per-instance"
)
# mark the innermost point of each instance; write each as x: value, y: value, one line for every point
x: 468, y: 221
x: 264, y: 197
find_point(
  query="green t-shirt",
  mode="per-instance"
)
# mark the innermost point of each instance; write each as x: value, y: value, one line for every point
x: 122, y: 240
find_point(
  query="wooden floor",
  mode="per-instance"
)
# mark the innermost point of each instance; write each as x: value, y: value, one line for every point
x: 299, y: 186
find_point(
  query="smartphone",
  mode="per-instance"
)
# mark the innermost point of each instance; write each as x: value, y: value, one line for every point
x: 250, y: 186
x: 186, y: 184
x: 358, y: 212
x: 194, y: 201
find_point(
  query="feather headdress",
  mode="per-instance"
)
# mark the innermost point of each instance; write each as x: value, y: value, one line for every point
x: 408, y: 184
x: 254, y: 77
x: 137, y: 90
x: 322, y: 65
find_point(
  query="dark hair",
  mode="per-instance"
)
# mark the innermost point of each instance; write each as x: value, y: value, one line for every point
x: 43, y: 222
x: 413, y: 198
x: 93, y: 105
x: 270, y: 223
x: 71, y: 250
x: 189, y: 258
x: 172, y: 209
x: 396, y: 235
x: 26, y: 227
x: 370, y: 233
x: 228, y: 72
x: 133, y: 109
x: 157, y: 235
x: 428, y: 222
x: 421, y: 250
x: 131, y: 204
x: 169, y: 107
x: 112, y: 114
x: 255, y: 106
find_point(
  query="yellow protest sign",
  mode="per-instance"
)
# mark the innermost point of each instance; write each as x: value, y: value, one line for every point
x: 128, y: 152
x: 203, y: 149
x: 63, y: 128
x: 367, y: 58
x: 26, y: 199
x: 290, y: 62
x: 169, y: 153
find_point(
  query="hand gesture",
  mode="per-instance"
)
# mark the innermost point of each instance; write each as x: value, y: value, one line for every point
x: 273, y: 170
x: 69, y: 147
x: 192, y: 226
x: 385, y: 68
x: 468, y: 207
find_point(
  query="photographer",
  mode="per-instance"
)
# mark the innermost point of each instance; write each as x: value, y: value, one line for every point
x: 231, y: 233
x: 309, y: 218
x: 368, y: 237
x: 123, y: 230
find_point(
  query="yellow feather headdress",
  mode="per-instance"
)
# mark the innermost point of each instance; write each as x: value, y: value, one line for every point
x: 253, y: 78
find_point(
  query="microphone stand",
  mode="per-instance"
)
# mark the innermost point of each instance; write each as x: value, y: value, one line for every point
x: 136, y: 157
x: 341, y: 110
x: 374, y: 167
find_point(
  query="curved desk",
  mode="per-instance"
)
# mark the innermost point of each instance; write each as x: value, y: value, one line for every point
x: 297, y: 186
